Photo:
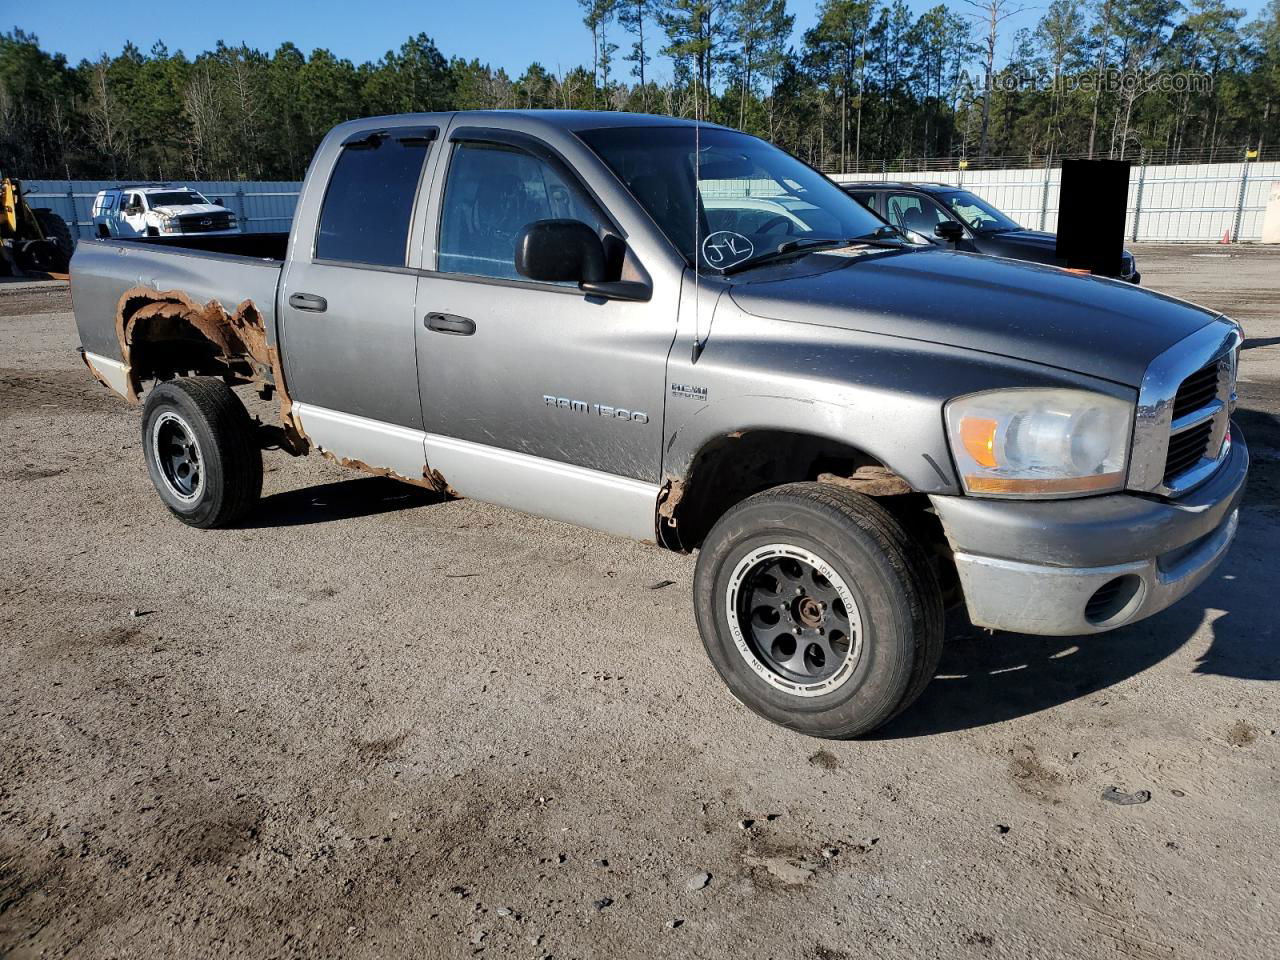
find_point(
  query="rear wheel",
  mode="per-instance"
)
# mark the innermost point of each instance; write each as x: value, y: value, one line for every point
x: 201, y: 451
x: 818, y: 610
x: 55, y: 229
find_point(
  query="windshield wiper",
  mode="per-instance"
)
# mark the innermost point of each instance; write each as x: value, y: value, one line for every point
x: 802, y: 245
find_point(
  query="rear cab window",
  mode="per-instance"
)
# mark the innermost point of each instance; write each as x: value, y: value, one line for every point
x: 369, y: 202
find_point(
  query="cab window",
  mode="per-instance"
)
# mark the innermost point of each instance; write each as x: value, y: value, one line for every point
x: 493, y: 192
x: 910, y: 211
x: 867, y: 199
x: 369, y: 201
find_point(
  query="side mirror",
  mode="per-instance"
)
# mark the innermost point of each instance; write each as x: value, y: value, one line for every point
x: 949, y: 230
x: 217, y: 202
x: 560, y: 251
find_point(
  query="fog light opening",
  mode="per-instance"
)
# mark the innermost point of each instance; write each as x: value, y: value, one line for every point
x: 1114, y: 600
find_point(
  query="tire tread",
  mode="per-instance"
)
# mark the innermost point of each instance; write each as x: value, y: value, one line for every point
x: 916, y: 584
x: 233, y: 434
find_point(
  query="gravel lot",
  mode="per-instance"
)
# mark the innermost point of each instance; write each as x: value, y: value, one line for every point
x: 375, y: 725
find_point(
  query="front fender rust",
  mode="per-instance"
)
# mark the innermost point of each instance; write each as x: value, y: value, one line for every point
x: 871, y: 481
x: 241, y: 335
x: 669, y: 497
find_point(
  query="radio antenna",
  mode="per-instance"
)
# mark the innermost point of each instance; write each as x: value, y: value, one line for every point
x: 697, y: 202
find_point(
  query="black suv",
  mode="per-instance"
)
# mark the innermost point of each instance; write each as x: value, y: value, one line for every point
x: 942, y: 214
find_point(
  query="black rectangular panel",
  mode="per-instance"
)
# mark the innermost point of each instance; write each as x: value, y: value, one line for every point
x: 1091, y: 209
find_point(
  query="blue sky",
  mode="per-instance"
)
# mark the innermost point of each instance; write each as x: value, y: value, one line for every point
x: 506, y: 33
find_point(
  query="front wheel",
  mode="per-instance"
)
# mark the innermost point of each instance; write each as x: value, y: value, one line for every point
x: 201, y: 451
x: 818, y: 610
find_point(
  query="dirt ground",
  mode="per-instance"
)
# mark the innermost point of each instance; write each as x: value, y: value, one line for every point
x: 374, y: 725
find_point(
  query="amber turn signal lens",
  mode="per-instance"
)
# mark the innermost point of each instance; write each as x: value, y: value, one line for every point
x: 1019, y: 486
x: 978, y: 435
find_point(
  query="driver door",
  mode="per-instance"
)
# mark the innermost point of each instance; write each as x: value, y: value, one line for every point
x: 534, y: 394
x: 133, y: 215
x: 911, y: 211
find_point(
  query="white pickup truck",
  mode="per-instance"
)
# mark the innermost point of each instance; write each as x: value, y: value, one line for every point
x: 158, y: 209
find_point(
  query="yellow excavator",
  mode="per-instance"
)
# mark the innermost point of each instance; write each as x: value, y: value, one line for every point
x: 31, y: 241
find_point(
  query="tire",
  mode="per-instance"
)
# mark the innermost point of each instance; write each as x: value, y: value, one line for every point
x: 152, y: 232
x: 868, y: 589
x: 55, y: 229
x: 201, y: 451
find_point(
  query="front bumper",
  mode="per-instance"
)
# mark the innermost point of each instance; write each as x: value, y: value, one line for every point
x: 1066, y: 567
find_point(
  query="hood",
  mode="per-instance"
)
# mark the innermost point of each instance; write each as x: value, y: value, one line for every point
x: 1090, y: 325
x: 1030, y: 244
x: 1036, y: 239
x: 188, y: 209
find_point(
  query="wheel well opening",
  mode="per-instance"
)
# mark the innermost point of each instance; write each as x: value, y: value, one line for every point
x: 166, y: 334
x: 732, y: 468
x: 165, y: 347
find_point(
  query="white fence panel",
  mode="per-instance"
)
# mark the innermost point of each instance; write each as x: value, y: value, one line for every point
x: 1176, y: 203
x: 263, y: 206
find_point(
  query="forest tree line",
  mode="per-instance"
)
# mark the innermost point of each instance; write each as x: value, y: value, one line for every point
x: 870, y: 81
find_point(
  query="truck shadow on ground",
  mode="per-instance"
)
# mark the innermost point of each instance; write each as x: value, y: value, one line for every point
x: 339, y: 500
x: 987, y: 678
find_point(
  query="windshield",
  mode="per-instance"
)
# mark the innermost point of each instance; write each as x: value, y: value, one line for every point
x: 981, y: 216
x: 175, y: 198
x: 750, y: 199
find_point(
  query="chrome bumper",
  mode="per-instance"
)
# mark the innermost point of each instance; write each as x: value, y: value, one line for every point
x: 1067, y: 567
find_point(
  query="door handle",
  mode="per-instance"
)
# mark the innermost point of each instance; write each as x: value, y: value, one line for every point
x: 448, y: 323
x: 308, y: 301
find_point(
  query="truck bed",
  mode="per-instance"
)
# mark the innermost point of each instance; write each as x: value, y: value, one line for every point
x: 257, y: 246
x: 233, y: 270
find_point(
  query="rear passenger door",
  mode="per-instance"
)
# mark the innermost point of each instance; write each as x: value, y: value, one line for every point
x: 867, y: 198
x: 347, y: 303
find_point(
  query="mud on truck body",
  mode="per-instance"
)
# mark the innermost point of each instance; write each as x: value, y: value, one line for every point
x: 677, y: 333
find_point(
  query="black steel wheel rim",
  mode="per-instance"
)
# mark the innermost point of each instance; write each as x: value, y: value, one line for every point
x: 794, y: 618
x: 178, y: 456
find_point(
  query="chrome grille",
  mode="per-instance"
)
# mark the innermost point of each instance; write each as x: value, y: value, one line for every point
x: 1184, y: 411
x: 204, y: 222
x: 1186, y: 449
x: 1197, y: 391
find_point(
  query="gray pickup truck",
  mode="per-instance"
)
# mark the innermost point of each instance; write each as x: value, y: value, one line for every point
x: 678, y: 333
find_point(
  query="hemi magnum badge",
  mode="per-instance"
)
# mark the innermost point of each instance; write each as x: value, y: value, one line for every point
x: 688, y: 391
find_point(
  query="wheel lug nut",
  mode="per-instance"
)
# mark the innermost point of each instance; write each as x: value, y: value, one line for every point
x: 796, y: 631
x: 799, y: 592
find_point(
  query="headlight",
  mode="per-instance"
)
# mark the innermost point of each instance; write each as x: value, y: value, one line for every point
x: 1039, y: 443
x: 170, y: 225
